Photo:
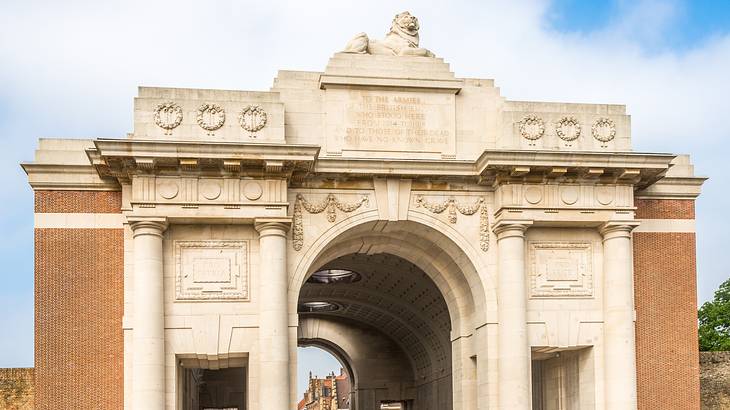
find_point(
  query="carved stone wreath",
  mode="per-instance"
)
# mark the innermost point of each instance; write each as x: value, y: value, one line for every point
x: 168, y: 115
x: 532, y: 127
x: 562, y: 129
x: 329, y: 204
x: 252, y: 118
x: 604, y: 130
x: 453, y: 207
x: 211, y: 117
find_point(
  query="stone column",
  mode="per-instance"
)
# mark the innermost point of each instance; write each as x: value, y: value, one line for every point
x: 274, y: 391
x: 514, y: 351
x: 619, y: 343
x: 148, y: 335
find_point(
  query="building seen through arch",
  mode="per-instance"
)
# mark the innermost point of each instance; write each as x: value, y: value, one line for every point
x: 452, y: 248
x: 329, y: 393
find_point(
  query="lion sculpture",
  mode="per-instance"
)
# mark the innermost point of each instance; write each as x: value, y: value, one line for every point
x: 402, y: 40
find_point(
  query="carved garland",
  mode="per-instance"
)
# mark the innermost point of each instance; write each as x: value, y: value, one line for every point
x: 211, y: 117
x: 562, y: 128
x: 453, y: 207
x: 604, y: 130
x: 329, y: 204
x: 252, y: 118
x: 168, y: 115
x: 532, y: 127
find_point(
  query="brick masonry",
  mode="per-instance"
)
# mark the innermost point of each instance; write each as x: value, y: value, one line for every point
x: 79, y: 301
x: 78, y: 202
x: 666, y: 310
x: 665, y: 209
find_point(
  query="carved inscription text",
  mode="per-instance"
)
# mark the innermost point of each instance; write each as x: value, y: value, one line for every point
x: 382, y: 121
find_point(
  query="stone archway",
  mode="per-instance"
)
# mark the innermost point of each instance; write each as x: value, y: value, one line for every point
x: 414, y: 299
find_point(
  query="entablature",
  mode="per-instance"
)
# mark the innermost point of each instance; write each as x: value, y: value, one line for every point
x: 509, y: 166
x: 123, y: 159
x: 191, y: 198
x: 495, y: 167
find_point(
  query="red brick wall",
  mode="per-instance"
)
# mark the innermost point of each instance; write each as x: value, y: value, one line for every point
x: 666, y: 311
x: 100, y: 202
x: 665, y: 209
x: 79, y: 303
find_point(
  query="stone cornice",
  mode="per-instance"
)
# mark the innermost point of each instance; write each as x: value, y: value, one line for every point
x: 113, y: 160
x: 63, y: 177
x: 673, y: 188
x: 639, y: 169
x: 339, y: 81
x: 126, y: 157
x: 497, y: 166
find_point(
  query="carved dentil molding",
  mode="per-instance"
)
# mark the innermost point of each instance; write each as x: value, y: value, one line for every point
x: 330, y: 204
x: 168, y: 116
x: 453, y: 206
x: 211, y: 117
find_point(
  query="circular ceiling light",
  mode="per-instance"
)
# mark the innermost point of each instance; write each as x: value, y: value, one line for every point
x: 334, y: 276
x: 318, y: 307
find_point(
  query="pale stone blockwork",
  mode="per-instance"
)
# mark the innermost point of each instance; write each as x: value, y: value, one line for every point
x: 488, y: 241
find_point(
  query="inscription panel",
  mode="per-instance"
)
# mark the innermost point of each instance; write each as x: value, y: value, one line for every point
x: 390, y: 121
x: 561, y: 269
x: 211, y: 270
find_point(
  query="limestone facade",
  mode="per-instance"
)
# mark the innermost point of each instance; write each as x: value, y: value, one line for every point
x: 507, y: 250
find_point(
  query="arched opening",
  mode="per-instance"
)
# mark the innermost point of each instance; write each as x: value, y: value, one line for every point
x: 393, y: 302
x: 324, y: 376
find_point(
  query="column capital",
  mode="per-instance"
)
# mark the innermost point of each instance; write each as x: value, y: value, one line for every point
x: 618, y: 229
x: 147, y: 225
x: 510, y: 228
x: 272, y: 226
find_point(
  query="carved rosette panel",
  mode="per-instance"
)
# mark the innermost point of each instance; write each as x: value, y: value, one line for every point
x: 560, y: 269
x: 168, y: 116
x: 252, y: 118
x: 330, y: 205
x: 211, y: 117
x: 452, y: 207
x: 604, y: 130
x: 568, y: 129
x: 532, y: 128
x: 211, y: 270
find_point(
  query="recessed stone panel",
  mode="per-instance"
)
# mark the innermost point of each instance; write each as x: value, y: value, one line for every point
x: 561, y: 269
x: 211, y: 270
x: 391, y: 121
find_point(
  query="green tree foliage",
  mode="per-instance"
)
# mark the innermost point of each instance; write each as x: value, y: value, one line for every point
x: 714, y: 319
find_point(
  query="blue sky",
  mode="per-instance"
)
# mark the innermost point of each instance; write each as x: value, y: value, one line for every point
x: 70, y: 69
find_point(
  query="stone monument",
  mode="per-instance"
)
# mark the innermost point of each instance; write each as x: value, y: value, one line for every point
x: 454, y: 249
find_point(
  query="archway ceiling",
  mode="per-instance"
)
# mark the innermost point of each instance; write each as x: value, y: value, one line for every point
x: 397, y: 298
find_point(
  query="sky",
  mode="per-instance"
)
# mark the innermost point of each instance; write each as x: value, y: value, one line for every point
x: 71, y: 69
